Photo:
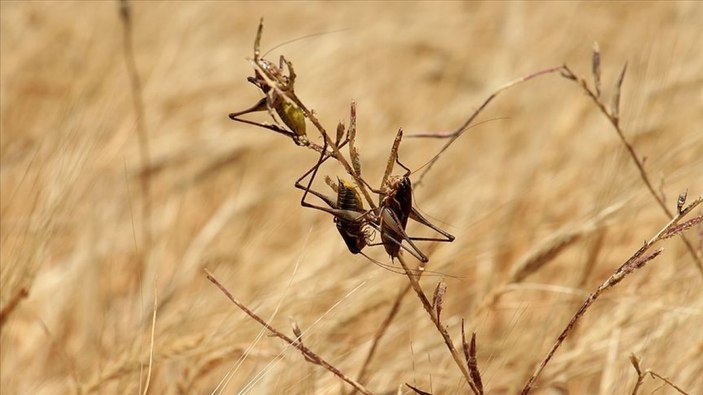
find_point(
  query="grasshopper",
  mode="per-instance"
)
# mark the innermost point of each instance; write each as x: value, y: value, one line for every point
x: 350, y: 217
x: 279, y: 95
x: 396, y: 207
x: 358, y: 226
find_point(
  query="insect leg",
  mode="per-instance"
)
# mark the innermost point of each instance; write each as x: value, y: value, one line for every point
x: 333, y: 209
x: 415, y: 253
x: 313, y: 170
x: 275, y: 128
x: 298, y: 184
x: 291, y: 72
x: 417, y: 217
x: 407, y: 170
x: 259, y: 106
x: 391, y: 219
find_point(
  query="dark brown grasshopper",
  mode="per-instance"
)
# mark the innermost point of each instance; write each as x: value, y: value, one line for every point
x: 396, y: 207
x: 357, y: 225
x: 279, y: 96
x: 352, y: 220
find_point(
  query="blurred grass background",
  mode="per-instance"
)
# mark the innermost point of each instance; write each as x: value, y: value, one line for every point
x: 223, y: 195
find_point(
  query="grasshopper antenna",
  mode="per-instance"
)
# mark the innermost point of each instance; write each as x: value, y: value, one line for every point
x: 304, y: 38
x: 447, y: 135
x: 392, y: 269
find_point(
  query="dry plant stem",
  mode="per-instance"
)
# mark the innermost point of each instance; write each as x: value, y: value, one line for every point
x: 392, y: 313
x: 683, y: 226
x: 142, y: 136
x: 416, y: 390
x: 470, y: 356
x: 456, y: 134
x: 382, y: 331
x: 456, y: 355
x: 340, y: 158
x: 151, y: 343
x: 542, y: 254
x: 641, y: 375
x: 307, y: 353
x: 595, y: 68
x: 664, y: 379
x: 615, y: 122
x: 637, y: 260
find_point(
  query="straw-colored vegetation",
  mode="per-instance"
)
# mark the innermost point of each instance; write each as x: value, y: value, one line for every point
x: 545, y: 200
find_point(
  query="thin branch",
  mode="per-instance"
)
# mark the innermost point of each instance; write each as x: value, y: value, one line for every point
x: 392, y: 313
x: 641, y: 375
x: 614, y: 118
x: 460, y: 130
x: 680, y: 228
x: 307, y: 353
x: 636, y: 261
x: 417, y: 390
x: 615, y: 104
x: 470, y: 356
x: 664, y: 379
x: 595, y: 67
x: 635, y: 361
x: 151, y: 343
x: 435, y: 320
x: 142, y: 135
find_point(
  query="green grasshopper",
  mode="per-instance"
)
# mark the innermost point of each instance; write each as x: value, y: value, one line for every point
x: 279, y: 95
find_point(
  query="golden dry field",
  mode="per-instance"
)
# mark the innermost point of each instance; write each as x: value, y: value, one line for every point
x: 544, y: 199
